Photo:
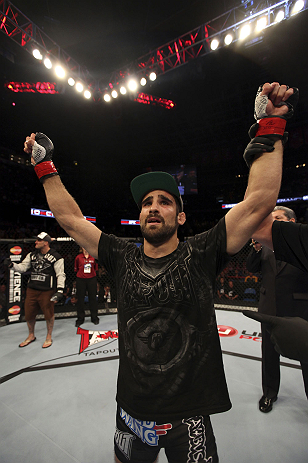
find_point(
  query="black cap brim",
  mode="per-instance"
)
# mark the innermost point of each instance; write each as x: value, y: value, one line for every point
x: 150, y: 181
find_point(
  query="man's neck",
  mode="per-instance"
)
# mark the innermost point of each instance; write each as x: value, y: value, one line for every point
x: 161, y: 250
x: 44, y: 250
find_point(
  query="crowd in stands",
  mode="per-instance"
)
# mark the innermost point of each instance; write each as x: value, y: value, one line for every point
x: 235, y: 285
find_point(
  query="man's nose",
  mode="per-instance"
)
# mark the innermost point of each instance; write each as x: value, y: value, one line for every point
x: 154, y: 206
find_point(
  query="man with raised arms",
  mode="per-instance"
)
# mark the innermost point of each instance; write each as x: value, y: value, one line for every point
x: 171, y: 375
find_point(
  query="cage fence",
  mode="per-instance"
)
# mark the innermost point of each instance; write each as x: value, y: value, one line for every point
x: 235, y: 287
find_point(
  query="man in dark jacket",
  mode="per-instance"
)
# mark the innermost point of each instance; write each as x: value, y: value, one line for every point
x: 284, y: 292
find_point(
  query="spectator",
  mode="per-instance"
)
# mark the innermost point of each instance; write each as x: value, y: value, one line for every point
x: 86, y: 268
x: 221, y: 288
x: 230, y: 292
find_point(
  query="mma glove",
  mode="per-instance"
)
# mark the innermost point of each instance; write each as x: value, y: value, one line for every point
x: 8, y: 263
x: 289, y: 335
x: 257, y: 146
x: 268, y: 127
x: 42, y: 152
x: 57, y: 296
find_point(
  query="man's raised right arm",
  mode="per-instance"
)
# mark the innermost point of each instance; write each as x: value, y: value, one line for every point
x: 69, y: 215
x: 61, y: 203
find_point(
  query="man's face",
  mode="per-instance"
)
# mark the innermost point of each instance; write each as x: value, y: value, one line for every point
x: 40, y: 244
x: 158, y: 217
x: 280, y: 215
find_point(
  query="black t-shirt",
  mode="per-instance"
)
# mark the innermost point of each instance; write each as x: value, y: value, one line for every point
x: 170, y: 357
x: 290, y: 241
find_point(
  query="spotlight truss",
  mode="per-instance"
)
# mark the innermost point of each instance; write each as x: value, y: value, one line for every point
x: 30, y: 37
x: 254, y: 16
x: 198, y: 41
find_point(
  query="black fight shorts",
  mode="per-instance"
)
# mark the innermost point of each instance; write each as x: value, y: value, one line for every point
x: 188, y: 440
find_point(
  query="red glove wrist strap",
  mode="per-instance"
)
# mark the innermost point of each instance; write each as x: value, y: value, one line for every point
x: 271, y: 126
x: 45, y: 168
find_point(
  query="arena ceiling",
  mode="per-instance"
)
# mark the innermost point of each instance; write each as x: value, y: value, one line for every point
x: 104, y: 146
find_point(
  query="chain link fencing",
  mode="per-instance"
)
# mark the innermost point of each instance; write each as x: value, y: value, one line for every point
x: 13, y: 288
x: 235, y: 287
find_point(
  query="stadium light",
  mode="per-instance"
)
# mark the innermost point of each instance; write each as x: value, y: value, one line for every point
x: 214, y: 44
x: 298, y: 6
x: 87, y: 94
x: 123, y: 90
x: 114, y: 94
x: 143, y: 81
x: 71, y: 81
x: 152, y: 76
x: 107, y: 97
x: 37, y: 54
x: 79, y: 87
x: 228, y: 39
x: 132, y: 85
x: 47, y: 63
x: 261, y: 24
x: 279, y: 16
x: 60, y: 72
x: 245, y: 31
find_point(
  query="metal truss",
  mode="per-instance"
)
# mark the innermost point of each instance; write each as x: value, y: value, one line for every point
x: 197, y: 42
x: 163, y: 59
x: 29, y: 36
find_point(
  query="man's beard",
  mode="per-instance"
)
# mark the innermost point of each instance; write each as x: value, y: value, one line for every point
x: 158, y: 236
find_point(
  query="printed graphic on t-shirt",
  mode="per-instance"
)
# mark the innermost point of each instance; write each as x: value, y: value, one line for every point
x: 38, y: 277
x: 160, y: 342
x: 168, y: 335
x: 39, y: 263
x: 172, y: 285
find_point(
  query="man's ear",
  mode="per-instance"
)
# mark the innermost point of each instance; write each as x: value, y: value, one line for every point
x: 292, y: 220
x: 181, y: 218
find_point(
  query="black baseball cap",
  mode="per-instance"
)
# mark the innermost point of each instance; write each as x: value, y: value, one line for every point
x: 44, y: 237
x: 150, y: 181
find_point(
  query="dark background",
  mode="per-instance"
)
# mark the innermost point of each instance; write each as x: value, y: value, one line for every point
x: 99, y: 148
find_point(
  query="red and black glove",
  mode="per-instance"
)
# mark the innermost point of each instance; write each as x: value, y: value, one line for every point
x: 288, y: 334
x: 268, y: 127
x: 42, y: 152
x: 257, y: 146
